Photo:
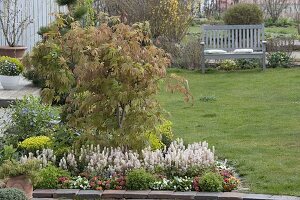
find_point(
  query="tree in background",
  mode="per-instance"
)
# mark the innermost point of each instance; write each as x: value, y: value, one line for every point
x: 168, y: 18
x: 209, y: 7
x: 274, y: 8
x: 297, y: 15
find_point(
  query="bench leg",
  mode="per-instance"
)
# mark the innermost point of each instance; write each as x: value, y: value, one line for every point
x: 264, y: 62
x: 203, y: 66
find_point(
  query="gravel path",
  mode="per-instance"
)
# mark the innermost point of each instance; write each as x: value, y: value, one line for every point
x: 3, y: 116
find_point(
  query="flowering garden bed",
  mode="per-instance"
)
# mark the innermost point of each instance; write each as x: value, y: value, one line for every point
x: 177, y: 168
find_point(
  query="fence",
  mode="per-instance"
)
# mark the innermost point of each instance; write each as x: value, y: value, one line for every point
x: 41, y: 12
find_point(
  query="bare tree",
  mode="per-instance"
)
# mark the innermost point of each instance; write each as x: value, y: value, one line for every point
x: 210, y: 7
x: 275, y: 8
x: 297, y: 14
x: 12, y: 23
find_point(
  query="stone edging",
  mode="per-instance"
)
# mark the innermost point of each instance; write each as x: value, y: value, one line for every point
x: 148, y: 194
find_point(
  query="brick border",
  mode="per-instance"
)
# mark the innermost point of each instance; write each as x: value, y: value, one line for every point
x: 148, y: 194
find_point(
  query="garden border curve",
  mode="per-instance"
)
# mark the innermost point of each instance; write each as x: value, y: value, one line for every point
x: 148, y: 194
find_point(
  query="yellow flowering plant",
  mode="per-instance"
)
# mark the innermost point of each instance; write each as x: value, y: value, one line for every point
x: 162, y: 136
x: 36, y: 143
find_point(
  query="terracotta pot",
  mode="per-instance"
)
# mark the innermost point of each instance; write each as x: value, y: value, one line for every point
x: 21, y: 182
x: 15, y: 52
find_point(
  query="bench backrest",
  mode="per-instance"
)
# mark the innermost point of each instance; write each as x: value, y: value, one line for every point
x: 231, y: 37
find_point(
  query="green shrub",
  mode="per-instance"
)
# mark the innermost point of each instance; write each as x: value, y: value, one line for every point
x: 10, y: 66
x: 243, y: 14
x: 12, y: 194
x: 8, y: 153
x: 63, y: 139
x: 49, y: 177
x: 139, y: 179
x: 211, y: 182
x: 36, y: 143
x: 281, y: 22
x: 197, y: 170
x: 247, y: 63
x: 279, y: 59
x: 227, y: 65
x: 29, y: 117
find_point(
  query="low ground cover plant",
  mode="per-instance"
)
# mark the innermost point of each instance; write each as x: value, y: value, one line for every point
x: 279, y: 59
x: 12, y: 193
x: 139, y: 179
x: 50, y: 177
x: 238, y: 64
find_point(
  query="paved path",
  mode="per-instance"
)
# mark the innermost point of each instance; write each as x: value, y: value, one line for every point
x: 296, y: 56
x: 25, y: 88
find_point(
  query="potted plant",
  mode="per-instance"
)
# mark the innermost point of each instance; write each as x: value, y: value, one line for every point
x: 20, y: 175
x: 10, y: 70
x: 12, y: 23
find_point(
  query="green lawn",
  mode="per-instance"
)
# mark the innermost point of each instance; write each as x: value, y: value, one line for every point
x: 253, y: 120
x: 291, y: 30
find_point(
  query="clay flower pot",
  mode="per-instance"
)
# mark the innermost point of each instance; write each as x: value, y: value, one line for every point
x: 14, y: 52
x: 21, y: 182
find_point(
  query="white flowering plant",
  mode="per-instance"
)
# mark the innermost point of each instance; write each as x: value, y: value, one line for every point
x: 176, y: 160
x: 79, y: 183
x: 176, y: 184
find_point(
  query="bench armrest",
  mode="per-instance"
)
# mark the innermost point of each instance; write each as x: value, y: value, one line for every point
x: 264, y: 45
x: 202, y: 43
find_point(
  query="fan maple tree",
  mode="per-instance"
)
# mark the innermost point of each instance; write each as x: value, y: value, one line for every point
x: 118, y: 72
x: 110, y: 75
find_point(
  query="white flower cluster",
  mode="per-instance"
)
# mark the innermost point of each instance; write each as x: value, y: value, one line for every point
x: 176, y: 184
x: 178, y: 156
x: 45, y: 157
x: 102, y: 160
x: 111, y: 160
x: 79, y: 183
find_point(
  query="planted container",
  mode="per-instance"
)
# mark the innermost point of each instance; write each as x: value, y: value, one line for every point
x: 10, y: 70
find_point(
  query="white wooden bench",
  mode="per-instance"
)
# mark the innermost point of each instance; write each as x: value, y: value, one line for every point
x: 236, y: 41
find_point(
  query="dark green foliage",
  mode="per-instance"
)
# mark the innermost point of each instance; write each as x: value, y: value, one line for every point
x: 43, y: 30
x: 279, y: 59
x: 12, y: 194
x: 281, y: 22
x: 196, y: 170
x: 49, y: 177
x: 243, y: 14
x: 80, y: 12
x: 139, y: 179
x: 211, y: 182
x: 66, y: 2
x: 247, y: 63
x: 7, y: 153
x: 64, y: 138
